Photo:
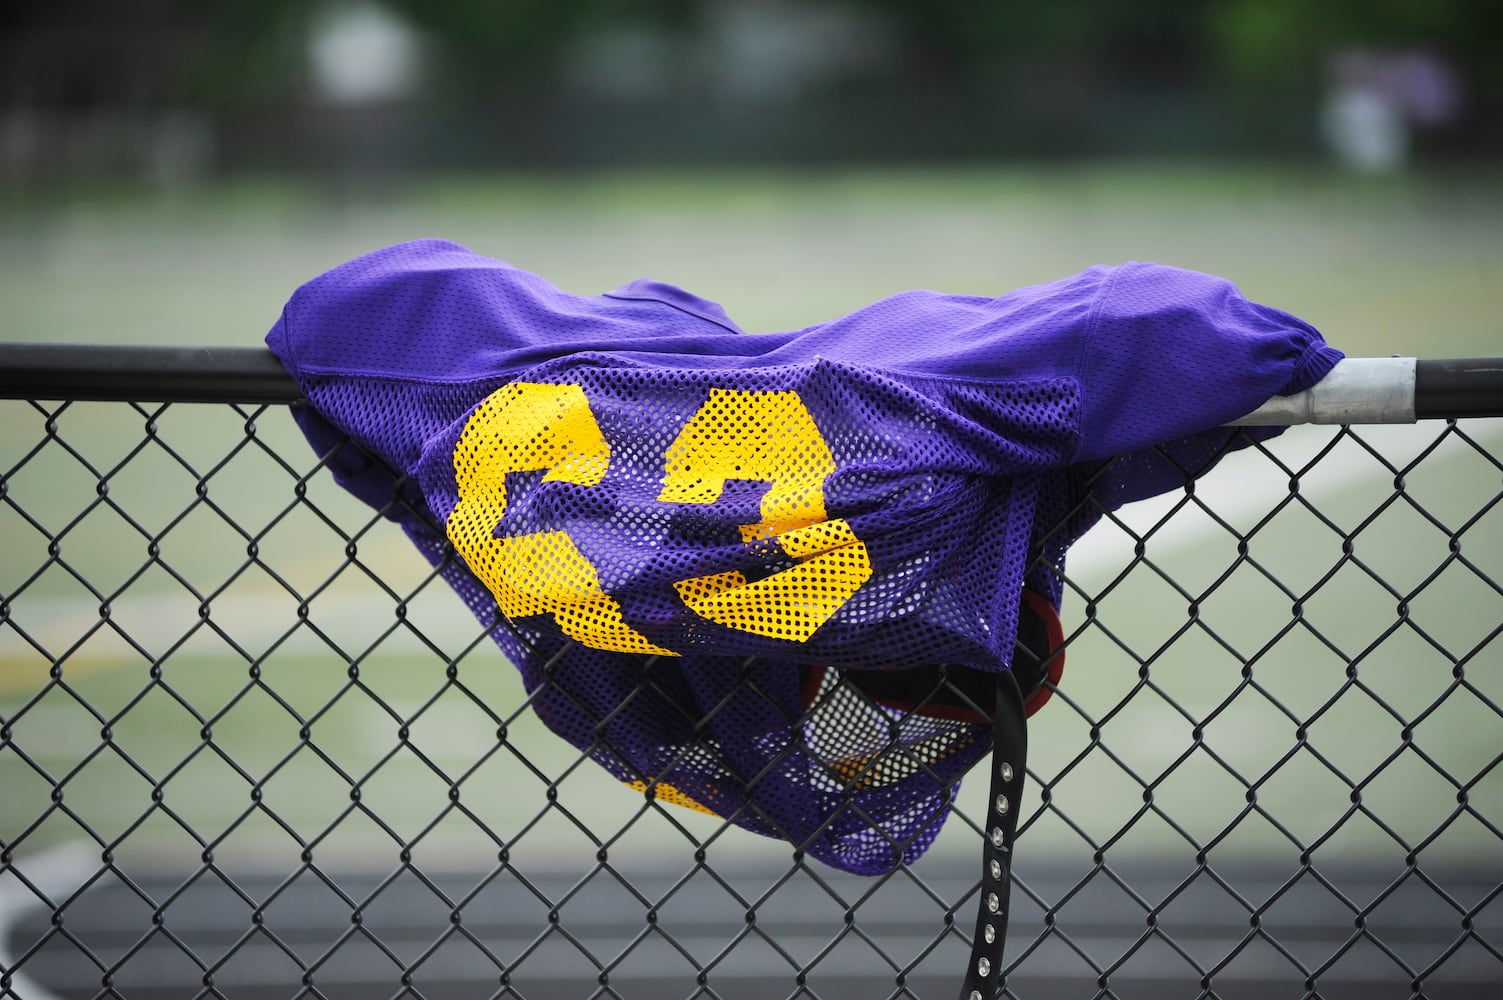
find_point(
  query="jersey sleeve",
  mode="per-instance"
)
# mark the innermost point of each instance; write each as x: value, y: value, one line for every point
x: 1171, y: 356
x: 1170, y: 352
x: 432, y: 311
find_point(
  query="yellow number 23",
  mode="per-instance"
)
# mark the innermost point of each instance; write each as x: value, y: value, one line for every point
x: 735, y: 435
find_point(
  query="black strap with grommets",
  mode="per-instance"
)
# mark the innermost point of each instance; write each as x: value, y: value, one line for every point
x: 1009, y: 760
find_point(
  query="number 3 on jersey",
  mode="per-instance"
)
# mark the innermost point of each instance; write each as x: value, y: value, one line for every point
x: 762, y: 436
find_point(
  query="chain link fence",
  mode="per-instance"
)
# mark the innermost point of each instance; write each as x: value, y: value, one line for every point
x: 252, y: 746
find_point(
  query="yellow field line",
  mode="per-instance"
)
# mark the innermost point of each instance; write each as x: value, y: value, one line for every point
x: 20, y: 675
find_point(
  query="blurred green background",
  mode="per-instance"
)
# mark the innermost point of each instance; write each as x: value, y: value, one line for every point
x: 169, y: 172
x: 172, y: 89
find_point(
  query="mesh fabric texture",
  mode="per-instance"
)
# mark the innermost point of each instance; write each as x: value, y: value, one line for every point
x: 697, y: 533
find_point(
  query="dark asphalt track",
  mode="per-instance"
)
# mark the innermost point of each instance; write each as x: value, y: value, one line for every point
x: 687, y: 926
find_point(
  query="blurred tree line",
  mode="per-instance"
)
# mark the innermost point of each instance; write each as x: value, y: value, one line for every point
x: 1094, y: 70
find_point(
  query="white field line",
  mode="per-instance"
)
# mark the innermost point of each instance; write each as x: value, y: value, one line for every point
x: 58, y: 872
x: 1245, y: 486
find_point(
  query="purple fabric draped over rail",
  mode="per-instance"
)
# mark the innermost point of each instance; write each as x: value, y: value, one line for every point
x: 653, y: 495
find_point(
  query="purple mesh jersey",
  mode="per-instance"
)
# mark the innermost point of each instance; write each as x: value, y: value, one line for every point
x: 652, y: 496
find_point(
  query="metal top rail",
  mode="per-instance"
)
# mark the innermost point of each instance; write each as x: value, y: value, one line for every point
x: 1357, y: 390
x: 159, y: 374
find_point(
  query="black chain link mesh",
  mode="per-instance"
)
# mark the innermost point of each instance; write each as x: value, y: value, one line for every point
x: 251, y: 746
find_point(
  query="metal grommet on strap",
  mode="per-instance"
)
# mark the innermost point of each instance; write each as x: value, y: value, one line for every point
x: 1010, y: 758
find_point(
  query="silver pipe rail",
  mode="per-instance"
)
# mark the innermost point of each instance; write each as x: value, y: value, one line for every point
x: 1390, y: 391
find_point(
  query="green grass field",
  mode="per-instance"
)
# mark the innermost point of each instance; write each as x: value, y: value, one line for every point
x: 1406, y: 265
